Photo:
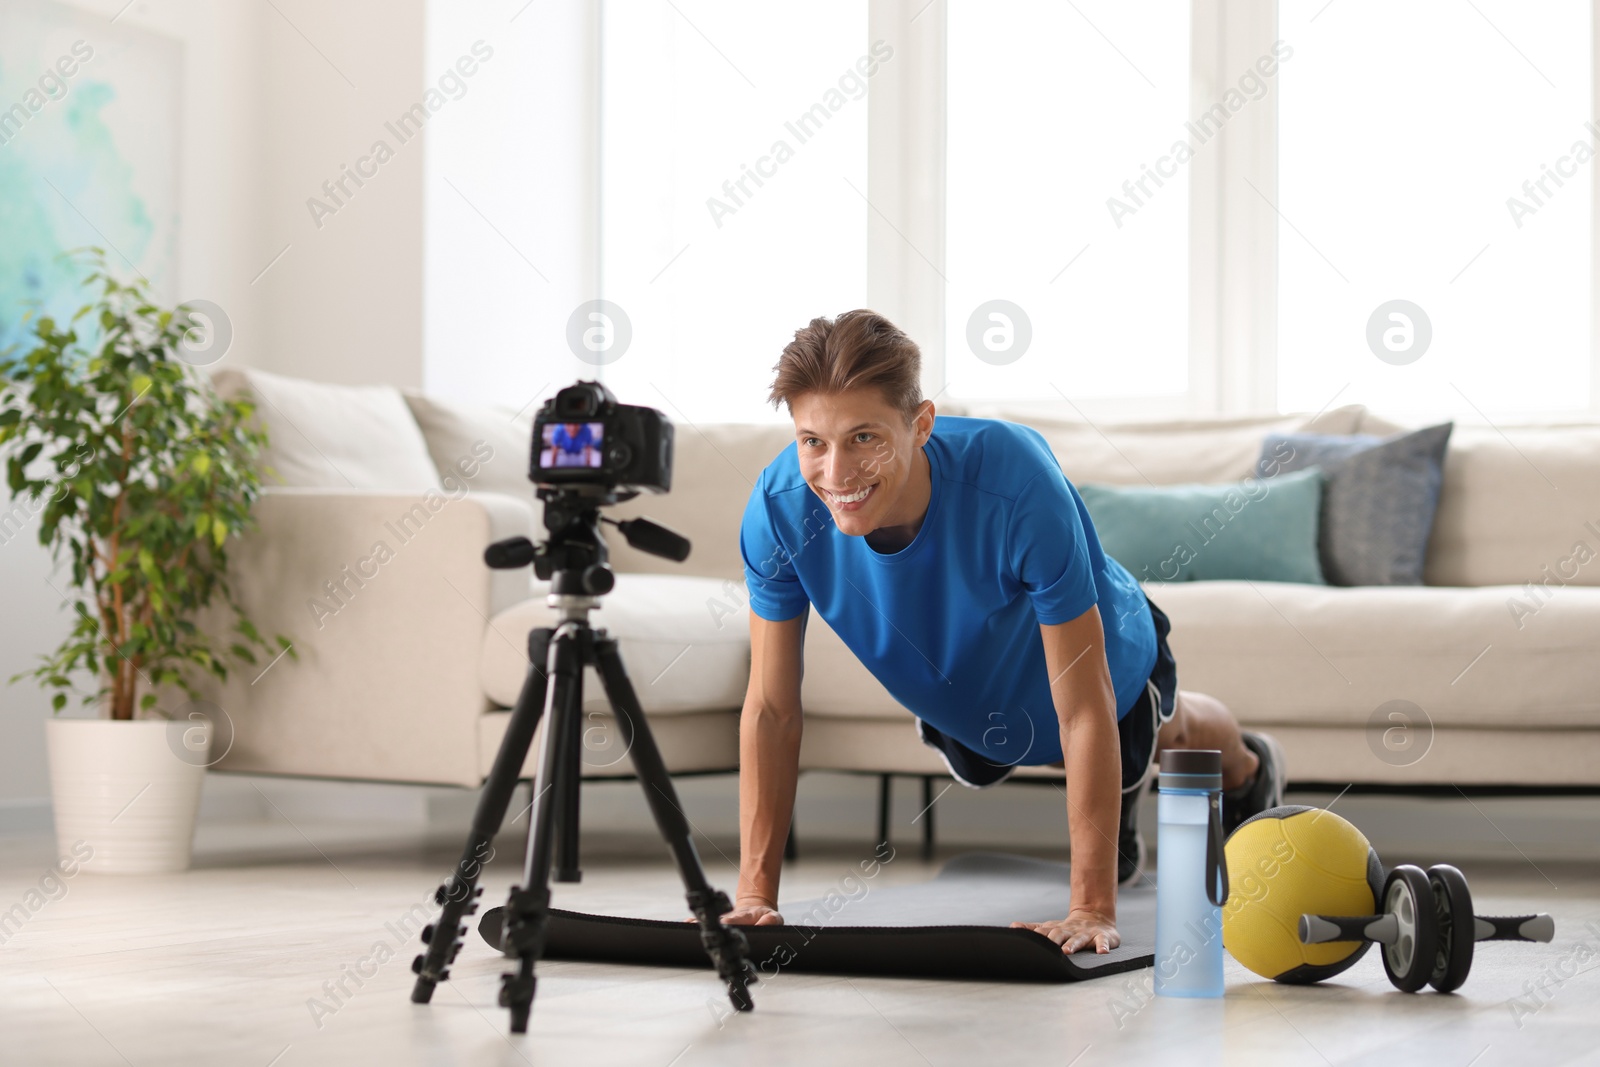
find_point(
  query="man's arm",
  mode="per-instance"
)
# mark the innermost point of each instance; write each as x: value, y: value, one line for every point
x: 769, y: 765
x: 1086, y: 705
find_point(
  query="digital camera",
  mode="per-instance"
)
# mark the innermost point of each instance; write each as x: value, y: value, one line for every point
x: 583, y: 437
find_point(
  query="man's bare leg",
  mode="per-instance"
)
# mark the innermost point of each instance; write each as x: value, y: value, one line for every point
x: 1202, y: 721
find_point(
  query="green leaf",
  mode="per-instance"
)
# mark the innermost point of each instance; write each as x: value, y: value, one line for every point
x: 202, y: 524
x: 201, y: 463
x: 57, y: 702
x: 219, y: 532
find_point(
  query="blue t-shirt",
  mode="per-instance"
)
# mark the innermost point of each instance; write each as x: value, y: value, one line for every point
x: 950, y: 623
x: 570, y: 442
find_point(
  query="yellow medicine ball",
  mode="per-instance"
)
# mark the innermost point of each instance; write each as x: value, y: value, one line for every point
x: 1288, y: 862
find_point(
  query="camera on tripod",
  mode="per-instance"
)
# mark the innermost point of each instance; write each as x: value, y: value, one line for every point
x: 588, y: 451
x: 584, y: 438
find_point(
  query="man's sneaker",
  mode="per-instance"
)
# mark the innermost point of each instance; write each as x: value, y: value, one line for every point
x: 1264, y: 791
x: 1130, y: 842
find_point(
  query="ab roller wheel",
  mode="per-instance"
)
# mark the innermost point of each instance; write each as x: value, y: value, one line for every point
x: 1427, y: 930
x: 1408, y: 957
x: 1451, y: 898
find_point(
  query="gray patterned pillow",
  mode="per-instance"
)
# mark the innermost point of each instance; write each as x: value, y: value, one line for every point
x: 1379, y: 496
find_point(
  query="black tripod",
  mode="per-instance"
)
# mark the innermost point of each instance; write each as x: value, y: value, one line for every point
x: 574, y: 559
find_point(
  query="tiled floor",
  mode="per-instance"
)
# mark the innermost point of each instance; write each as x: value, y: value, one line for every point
x: 225, y: 965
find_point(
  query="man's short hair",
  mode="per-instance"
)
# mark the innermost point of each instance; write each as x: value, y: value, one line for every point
x: 859, y: 349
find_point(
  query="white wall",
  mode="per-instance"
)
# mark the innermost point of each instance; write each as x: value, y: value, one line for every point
x: 267, y: 116
x: 344, y: 304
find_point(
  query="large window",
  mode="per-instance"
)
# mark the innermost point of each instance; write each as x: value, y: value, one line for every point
x: 732, y: 176
x: 1435, y: 171
x: 1143, y: 209
x: 1068, y: 199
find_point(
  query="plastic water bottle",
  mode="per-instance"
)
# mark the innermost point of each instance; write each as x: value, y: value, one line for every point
x: 1191, y: 875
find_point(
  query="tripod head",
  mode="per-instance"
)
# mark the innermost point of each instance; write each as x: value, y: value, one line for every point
x: 574, y: 558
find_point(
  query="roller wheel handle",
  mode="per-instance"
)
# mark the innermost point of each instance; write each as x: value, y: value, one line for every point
x: 1319, y: 929
x: 1539, y: 927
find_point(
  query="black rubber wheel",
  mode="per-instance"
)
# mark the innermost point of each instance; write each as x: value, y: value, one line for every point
x: 1408, y: 896
x: 1453, y: 905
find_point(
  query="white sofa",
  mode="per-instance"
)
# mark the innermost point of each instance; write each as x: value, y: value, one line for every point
x: 370, y: 558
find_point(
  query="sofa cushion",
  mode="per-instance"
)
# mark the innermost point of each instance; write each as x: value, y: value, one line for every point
x: 1378, y: 502
x: 716, y: 466
x: 325, y: 436
x: 1325, y: 656
x: 494, y: 440
x: 1519, y: 504
x: 685, y: 649
x: 1260, y: 529
x: 1172, y: 452
x: 1329, y: 656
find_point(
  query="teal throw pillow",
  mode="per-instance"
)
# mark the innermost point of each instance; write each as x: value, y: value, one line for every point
x: 1259, y: 529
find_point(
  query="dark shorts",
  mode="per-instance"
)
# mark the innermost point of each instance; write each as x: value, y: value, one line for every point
x: 1135, y: 730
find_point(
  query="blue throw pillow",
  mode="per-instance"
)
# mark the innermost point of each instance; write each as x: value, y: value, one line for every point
x: 1264, y: 530
x: 1378, y: 500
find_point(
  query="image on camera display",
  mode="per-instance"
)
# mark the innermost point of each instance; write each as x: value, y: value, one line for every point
x: 572, y: 444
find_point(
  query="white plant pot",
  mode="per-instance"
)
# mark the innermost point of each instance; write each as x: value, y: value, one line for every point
x: 127, y: 790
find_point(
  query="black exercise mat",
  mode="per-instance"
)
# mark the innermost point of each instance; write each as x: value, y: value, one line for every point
x: 955, y: 926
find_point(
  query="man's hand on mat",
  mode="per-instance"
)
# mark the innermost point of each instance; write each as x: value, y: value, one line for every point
x: 1081, y: 929
x: 753, y: 915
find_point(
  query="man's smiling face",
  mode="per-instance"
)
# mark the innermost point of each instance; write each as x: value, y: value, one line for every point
x: 863, y: 458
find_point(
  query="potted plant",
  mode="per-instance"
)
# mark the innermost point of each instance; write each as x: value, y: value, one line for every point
x: 140, y: 475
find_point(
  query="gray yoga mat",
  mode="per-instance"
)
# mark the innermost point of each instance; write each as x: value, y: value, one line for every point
x: 955, y: 926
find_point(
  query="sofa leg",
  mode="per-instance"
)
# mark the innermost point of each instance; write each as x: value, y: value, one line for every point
x: 791, y: 849
x: 885, y: 786
x: 927, y: 816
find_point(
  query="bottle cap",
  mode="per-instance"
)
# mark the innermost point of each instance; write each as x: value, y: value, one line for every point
x: 1191, y: 768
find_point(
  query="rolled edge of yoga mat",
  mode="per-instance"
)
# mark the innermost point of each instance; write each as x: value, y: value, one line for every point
x: 987, y: 953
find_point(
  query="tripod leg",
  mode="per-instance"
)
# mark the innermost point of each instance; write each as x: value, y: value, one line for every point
x: 725, y: 945
x: 527, y: 911
x: 566, y: 806
x: 458, y: 895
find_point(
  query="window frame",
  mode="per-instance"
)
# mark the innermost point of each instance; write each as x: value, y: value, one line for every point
x: 1233, y: 228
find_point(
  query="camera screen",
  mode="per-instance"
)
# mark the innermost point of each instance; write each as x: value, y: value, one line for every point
x: 572, y: 444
